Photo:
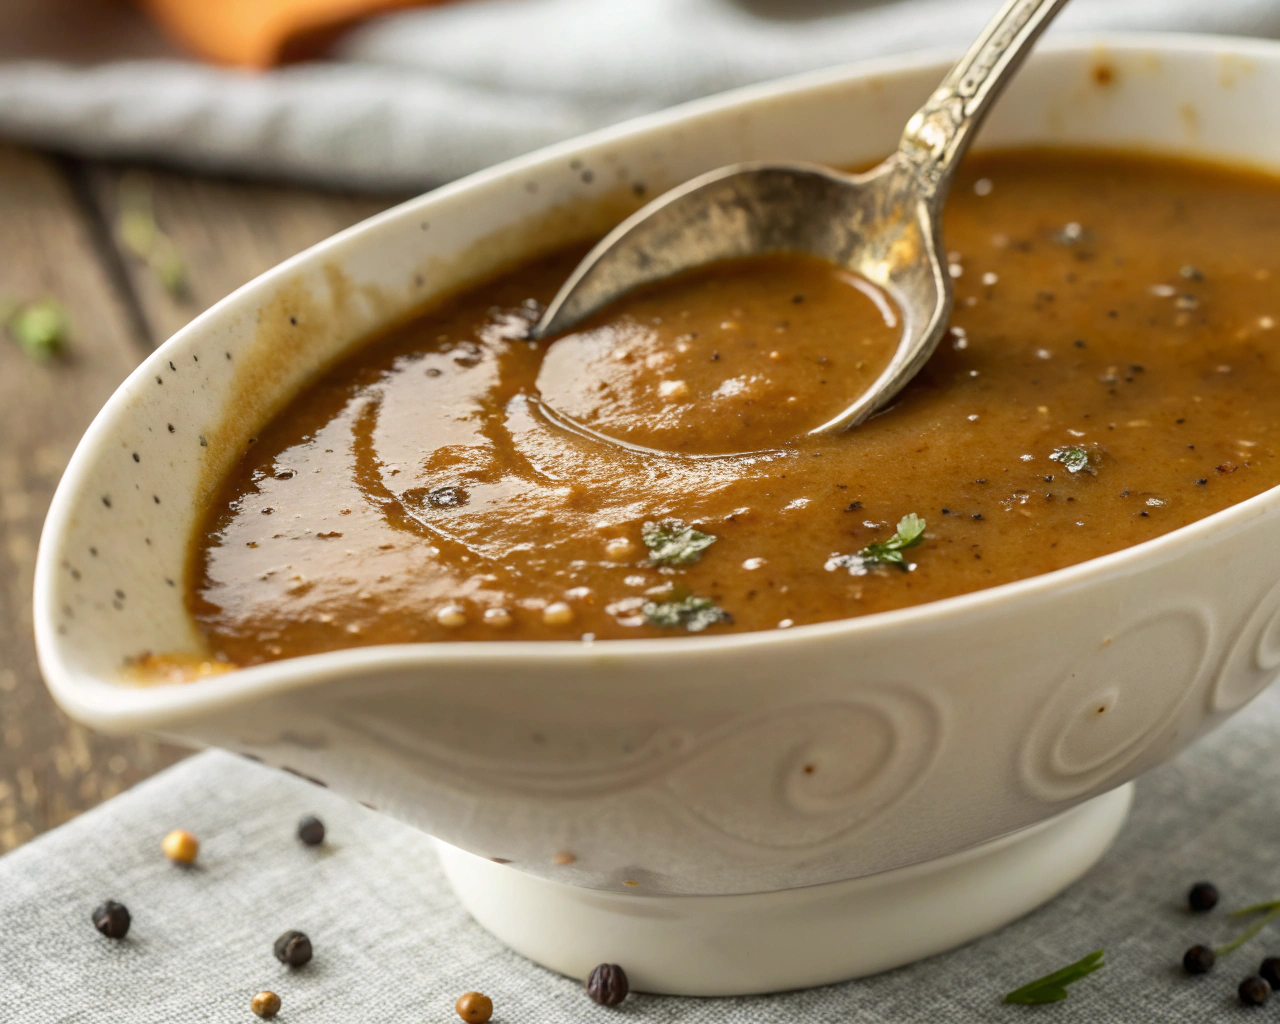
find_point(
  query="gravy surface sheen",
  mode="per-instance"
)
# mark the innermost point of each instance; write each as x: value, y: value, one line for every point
x: 1116, y: 310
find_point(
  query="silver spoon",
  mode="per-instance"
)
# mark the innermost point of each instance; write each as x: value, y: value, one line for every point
x: 884, y: 225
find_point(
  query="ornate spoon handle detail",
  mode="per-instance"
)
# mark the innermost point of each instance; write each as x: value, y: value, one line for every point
x: 939, y: 133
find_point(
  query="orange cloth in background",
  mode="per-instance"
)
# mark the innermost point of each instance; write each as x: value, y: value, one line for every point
x: 261, y: 33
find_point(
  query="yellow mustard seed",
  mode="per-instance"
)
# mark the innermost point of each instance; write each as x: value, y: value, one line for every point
x: 557, y: 614
x: 265, y: 1004
x: 452, y: 616
x: 181, y: 847
x: 618, y: 549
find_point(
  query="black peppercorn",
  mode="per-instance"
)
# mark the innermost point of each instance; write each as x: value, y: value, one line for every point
x: 607, y: 985
x: 1254, y: 991
x: 293, y: 948
x: 1203, y: 896
x: 112, y: 919
x: 1270, y: 971
x: 1198, y: 960
x: 311, y: 830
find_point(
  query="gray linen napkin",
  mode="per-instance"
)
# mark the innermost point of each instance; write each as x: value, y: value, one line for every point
x: 392, y: 945
x: 423, y: 96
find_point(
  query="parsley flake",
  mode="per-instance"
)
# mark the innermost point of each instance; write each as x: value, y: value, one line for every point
x: 694, y: 613
x: 141, y: 235
x: 1052, y: 988
x: 886, y: 552
x: 1072, y: 458
x: 673, y: 542
x: 41, y: 328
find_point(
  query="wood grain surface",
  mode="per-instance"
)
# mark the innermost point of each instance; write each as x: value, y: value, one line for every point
x: 60, y: 222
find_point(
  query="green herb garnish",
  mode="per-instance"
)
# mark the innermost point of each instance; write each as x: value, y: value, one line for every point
x: 886, y: 552
x: 41, y: 328
x: 141, y: 235
x: 673, y: 542
x: 1052, y: 988
x: 1072, y: 458
x: 694, y: 613
x: 910, y: 533
x: 1272, y: 909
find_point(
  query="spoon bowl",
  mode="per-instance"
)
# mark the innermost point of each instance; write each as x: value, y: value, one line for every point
x: 866, y: 223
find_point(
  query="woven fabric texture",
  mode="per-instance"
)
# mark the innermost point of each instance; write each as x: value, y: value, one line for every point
x: 393, y: 946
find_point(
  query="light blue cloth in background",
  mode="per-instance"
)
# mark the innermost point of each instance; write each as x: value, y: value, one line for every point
x: 419, y: 97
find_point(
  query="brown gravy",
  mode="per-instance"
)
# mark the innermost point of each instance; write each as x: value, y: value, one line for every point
x: 1118, y: 311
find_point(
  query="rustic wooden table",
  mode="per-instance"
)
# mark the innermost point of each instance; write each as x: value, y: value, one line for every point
x: 59, y: 226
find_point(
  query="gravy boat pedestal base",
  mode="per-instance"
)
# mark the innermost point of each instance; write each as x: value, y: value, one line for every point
x: 795, y: 938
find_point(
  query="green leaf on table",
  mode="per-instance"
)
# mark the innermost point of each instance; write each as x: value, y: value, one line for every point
x: 140, y: 234
x: 673, y: 542
x: 41, y: 328
x: 172, y: 273
x: 1052, y: 988
x: 1270, y: 911
x: 137, y: 227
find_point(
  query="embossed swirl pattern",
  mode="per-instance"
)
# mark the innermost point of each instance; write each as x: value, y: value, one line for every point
x: 1116, y: 703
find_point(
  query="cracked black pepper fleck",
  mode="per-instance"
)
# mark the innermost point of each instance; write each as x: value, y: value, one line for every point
x: 293, y: 948
x: 112, y: 919
x: 607, y: 985
x: 311, y: 830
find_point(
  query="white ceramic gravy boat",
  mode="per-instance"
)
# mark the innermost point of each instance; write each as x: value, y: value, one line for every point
x: 673, y: 771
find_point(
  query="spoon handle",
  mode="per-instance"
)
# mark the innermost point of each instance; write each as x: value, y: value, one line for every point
x: 939, y: 133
